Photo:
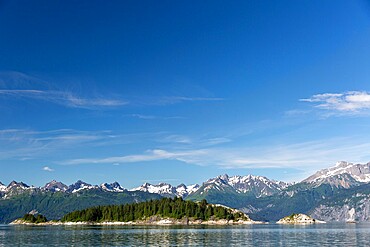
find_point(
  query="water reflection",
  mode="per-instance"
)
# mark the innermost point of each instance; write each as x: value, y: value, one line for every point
x: 254, y: 235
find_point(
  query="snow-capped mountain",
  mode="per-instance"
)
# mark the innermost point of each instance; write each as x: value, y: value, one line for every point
x: 80, y: 185
x: 165, y: 189
x: 113, y: 187
x: 182, y: 190
x: 16, y: 188
x: 343, y: 174
x: 2, y: 187
x: 256, y: 185
x: 17, y: 185
x: 55, y: 186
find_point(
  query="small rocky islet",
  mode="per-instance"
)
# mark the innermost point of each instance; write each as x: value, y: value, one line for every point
x: 299, y: 219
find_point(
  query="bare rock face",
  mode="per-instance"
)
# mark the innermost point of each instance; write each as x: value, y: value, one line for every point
x: 298, y: 219
x: 354, y: 209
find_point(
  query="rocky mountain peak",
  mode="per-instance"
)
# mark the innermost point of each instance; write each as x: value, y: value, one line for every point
x: 113, y: 187
x: 14, y: 184
x: 55, y: 186
x: 166, y: 189
x: 2, y: 187
x: 351, y: 175
x: 257, y: 185
x: 80, y: 185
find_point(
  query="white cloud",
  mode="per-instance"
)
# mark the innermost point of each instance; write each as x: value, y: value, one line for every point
x: 26, y: 144
x: 216, y: 141
x: 152, y: 117
x: 308, y: 156
x: 351, y: 102
x: 64, y: 98
x: 149, y: 155
x: 169, y: 100
x: 48, y: 169
x: 181, y: 139
x: 147, y: 117
x: 194, y: 142
x: 176, y: 99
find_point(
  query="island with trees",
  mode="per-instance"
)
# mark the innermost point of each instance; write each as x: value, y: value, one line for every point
x: 164, y: 211
x: 299, y: 219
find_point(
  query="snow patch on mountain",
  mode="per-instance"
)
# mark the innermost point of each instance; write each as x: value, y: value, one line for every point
x: 258, y: 185
x: 55, y: 186
x: 2, y: 187
x: 113, y: 187
x: 80, y: 185
x: 351, y: 174
x: 17, y: 185
x: 165, y: 189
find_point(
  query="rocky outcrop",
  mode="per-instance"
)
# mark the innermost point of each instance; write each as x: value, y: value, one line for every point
x: 298, y: 219
x: 348, y: 212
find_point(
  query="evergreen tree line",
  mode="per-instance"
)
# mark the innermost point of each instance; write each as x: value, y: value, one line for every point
x: 175, y: 208
x: 32, y: 219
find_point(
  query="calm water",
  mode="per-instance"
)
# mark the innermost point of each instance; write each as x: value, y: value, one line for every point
x: 255, y: 235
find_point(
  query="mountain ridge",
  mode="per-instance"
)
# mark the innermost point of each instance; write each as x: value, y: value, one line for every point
x: 337, y: 193
x: 343, y: 174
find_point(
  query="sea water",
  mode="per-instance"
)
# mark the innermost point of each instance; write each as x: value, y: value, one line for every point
x: 248, y: 235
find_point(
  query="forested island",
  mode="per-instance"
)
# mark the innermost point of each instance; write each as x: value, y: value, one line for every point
x: 163, y: 211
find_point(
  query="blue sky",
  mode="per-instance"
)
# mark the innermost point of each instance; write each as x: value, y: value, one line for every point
x: 181, y: 91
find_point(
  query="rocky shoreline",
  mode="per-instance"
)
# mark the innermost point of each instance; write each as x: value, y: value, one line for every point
x: 155, y: 221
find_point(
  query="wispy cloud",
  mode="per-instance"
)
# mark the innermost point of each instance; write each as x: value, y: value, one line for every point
x: 25, y: 144
x: 198, y: 142
x: 182, y: 139
x: 170, y: 100
x: 152, y: 117
x: 18, y: 80
x: 63, y: 98
x: 308, y: 156
x: 48, y: 169
x: 215, y: 141
x: 28, y: 144
x: 176, y: 99
x: 351, y: 102
x: 23, y: 86
x: 149, y: 155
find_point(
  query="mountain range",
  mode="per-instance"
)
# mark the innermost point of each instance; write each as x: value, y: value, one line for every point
x: 338, y: 193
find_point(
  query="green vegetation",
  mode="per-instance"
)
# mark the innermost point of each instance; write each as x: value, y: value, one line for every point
x: 291, y: 217
x: 175, y: 208
x: 297, y: 198
x: 54, y: 205
x: 227, y: 196
x: 32, y: 219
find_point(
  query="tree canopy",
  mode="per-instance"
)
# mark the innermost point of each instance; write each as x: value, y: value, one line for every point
x: 39, y: 218
x: 175, y: 208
